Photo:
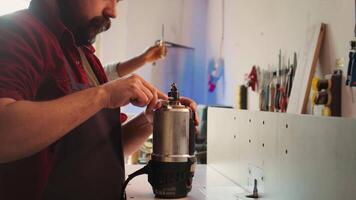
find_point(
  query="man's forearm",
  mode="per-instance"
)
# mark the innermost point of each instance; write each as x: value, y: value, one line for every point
x: 129, y: 66
x: 27, y: 127
x: 135, y: 133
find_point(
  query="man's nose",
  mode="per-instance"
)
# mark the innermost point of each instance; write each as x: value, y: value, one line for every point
x: 110, y: 9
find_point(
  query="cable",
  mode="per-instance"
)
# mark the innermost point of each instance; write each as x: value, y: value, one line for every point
x: 222, y: 28
x: 143, y: 170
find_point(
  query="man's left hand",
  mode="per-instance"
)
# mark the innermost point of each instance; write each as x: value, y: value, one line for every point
x: 190, y: 103
x: 154, y: 53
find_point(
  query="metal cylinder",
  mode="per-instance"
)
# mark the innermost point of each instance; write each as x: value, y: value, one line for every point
x: 173, y: 138
x: 173, y: 161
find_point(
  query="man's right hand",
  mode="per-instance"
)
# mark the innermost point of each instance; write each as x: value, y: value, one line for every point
x: 133, y: 89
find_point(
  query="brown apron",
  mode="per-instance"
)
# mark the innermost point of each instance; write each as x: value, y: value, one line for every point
x: 89, y: 161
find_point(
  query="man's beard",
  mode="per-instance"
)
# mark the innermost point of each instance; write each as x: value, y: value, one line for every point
x: 84, y: 32
x: 86, y: 35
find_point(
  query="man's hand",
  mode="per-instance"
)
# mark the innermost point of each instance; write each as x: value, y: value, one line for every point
x: 154, y: 53
x: 122, y: 69
x: 133, y: 89
x: 71, y: 110
x: 136, y: 131
x: 190, y: 103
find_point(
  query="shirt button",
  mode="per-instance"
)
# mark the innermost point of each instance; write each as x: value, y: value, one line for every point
x: 77, y: 62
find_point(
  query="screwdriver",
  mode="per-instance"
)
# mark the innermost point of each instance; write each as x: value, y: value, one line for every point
x: 162, y: 44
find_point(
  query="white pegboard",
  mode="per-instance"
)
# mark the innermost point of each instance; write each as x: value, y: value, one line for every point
x: 291, y: 156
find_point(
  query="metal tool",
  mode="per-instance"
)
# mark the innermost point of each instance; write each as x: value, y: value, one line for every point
x: 254, y: 195
x: 351, y: 70
x: 162, y: 34
x: 162, y: 43
x: 171, y: 168
x: 173, y: 160
x: 278, y: 84
x: 290, y: 74
x: 283, y: 92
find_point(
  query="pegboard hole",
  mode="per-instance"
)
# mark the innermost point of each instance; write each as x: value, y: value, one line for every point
x: 249, y: 140
x: 286, y: 151
x: 235, y: 136
x: 263, y: 122
x: 249, y: 120
x: 286, y: 125
x: 263, y: 144
x: 234, y: 118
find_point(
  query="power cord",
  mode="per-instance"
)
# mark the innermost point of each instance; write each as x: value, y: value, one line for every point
x: 144, y: 170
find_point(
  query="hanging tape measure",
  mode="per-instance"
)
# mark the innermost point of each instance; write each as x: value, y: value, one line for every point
x: 321, y: 84
x: 322, y: 98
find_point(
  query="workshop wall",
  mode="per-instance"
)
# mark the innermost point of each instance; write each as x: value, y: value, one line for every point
x: 256, y: 30
x: 111, y: 45
x: 139, y: 25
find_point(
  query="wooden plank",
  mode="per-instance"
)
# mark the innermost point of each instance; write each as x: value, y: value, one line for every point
x: 313, y: 67
x: 307, y: 63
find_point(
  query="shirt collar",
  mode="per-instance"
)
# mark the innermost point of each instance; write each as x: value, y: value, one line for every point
x: 90, y: 48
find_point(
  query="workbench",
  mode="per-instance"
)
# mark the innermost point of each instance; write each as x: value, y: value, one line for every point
x: 292, y: 157
x: 207, y: 184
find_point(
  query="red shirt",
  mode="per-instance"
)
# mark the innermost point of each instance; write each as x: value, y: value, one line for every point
x: 34, y: 44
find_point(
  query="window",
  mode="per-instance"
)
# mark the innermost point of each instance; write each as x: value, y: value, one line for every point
x: 10, y: 6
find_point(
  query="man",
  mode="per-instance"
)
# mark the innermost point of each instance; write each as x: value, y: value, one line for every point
x: 60, y: 134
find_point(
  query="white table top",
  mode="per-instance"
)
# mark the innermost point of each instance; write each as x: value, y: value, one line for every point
x: 207, y: 184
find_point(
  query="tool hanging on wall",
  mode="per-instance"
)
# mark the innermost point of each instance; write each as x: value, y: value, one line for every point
x: 278, y: 83
x: 242, y: 97
x: 251, y: 78
x: 291, y: 73
x: 327, y: 92
x: 283, y: 95
x: 351, y: 69
x: 322, y: 95
x: 263, y: 79
x: 217, y: 72
x: 272, y: 94
x: 284, y: 89
x: 275, y: 87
